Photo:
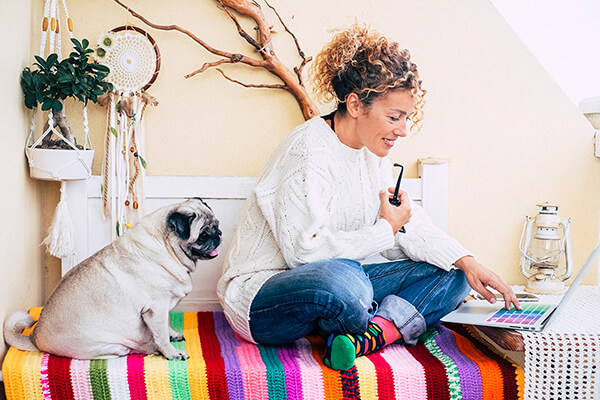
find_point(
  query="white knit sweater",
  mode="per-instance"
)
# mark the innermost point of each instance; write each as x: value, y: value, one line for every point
x: 318, y: 199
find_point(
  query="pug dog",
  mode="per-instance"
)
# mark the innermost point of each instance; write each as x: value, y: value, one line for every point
x: 117, y: 301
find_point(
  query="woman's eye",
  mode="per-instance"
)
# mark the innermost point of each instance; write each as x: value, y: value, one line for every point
x: 395, y: 119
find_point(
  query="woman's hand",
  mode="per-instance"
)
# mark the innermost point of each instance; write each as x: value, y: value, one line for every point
x: 479, y: 278
x: 396, y: 216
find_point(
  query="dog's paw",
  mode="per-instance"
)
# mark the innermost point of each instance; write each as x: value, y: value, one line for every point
x: 176, y: 337
x: 177, y: 355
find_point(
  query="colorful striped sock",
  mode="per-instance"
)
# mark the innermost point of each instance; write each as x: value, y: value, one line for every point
x: 343, y: 348
x: 390, y: 331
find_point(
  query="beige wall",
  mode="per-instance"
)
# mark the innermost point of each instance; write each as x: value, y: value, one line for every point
x: 21, y: 274
x: 512, y: 137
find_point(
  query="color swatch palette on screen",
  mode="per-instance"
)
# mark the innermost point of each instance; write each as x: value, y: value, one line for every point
x: 527, y: 316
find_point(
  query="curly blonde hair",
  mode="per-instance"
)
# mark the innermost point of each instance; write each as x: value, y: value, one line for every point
x: 363, y: 61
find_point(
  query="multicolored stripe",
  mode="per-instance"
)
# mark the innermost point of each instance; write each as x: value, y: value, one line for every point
x: 447, y: 363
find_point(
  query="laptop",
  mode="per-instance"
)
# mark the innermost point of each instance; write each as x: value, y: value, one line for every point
x: 533, y: 317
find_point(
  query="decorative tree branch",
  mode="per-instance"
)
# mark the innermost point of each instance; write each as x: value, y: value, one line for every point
x: 305, y: 60
x: 206, y: 66
x: 252, y: 85
x: 241, y: 31
x: 292, y: 81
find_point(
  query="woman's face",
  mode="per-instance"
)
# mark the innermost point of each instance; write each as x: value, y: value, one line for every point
x: 378, y: 126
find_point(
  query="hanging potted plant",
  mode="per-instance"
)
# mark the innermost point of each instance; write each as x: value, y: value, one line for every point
x: 56, y: 155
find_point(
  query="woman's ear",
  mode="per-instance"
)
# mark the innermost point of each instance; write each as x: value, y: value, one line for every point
x: 353, y: 105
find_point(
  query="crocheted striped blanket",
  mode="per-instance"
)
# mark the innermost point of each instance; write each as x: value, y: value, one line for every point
x: 447, y: 363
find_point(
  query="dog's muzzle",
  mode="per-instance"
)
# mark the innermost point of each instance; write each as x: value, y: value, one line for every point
x: 206, y: 247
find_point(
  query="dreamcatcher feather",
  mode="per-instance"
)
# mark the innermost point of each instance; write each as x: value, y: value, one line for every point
x: 134, y: 61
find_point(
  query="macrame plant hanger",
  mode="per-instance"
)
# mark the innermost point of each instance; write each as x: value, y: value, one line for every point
x: 134, y: 61
x: 59, y: 241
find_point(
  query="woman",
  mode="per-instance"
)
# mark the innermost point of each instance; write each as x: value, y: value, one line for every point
x: 306, y: 255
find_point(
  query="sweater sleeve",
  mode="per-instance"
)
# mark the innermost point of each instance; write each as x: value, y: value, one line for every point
x: 297, y: 200
x: 423, y: 241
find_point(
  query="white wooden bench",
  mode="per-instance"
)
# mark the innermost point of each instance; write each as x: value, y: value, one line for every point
x: 226, y: 196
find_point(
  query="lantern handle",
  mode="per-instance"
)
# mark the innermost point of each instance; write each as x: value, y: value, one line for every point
x: 566, y: 225
x: 526, y: 234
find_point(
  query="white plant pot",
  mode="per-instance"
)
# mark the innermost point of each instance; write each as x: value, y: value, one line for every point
x: 59, y: 164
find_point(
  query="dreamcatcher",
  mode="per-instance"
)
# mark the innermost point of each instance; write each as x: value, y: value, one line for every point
x: 134, y: 61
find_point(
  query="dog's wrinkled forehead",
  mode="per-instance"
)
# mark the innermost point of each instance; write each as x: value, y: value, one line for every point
x: 191, y: 217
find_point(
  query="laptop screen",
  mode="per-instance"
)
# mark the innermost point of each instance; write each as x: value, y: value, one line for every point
x: 529, y: 315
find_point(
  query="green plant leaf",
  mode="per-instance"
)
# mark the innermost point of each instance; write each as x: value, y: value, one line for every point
x: 52, y: 81
x: 40, y: 60
x: 57, y: 105
x: 30, y: 101
x: 118, y: 226
x: 114, y: 131
x: 26, y: 76
x: 76, y: 43
x: 52, y: 58
x: 142, y: 161
x: 64, y: 78
x: 100, y: 68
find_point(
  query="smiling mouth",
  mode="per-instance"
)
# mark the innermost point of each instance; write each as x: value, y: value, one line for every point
x: 389, y: 142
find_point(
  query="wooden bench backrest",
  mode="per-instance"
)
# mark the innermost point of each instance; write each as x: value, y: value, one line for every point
x: 226, y: 196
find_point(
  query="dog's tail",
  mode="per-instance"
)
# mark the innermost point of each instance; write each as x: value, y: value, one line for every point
x: 13, y: 331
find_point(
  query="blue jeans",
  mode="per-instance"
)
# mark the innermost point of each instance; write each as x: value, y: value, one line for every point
x: 340, y: 295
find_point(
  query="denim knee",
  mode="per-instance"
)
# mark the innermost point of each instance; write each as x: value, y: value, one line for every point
x: 352, y: 292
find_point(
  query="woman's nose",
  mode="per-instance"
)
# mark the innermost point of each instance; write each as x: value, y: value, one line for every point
x: 400, y: 130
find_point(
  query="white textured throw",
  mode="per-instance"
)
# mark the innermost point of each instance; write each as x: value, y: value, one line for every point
x: 563, y: 362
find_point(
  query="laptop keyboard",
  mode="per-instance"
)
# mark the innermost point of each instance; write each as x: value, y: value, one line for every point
x: 529, y: 315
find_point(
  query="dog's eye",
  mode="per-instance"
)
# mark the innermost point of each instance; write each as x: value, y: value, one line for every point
x: 203, y: 236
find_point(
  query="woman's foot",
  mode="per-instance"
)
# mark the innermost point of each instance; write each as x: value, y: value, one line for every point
x: 343, y: 348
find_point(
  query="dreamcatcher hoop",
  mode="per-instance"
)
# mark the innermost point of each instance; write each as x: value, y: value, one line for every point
x: 134, y: 61
x: 132, y: 56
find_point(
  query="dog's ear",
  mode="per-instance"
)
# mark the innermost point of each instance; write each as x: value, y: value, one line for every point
x: 180, y: 224
x: 203, y: 202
